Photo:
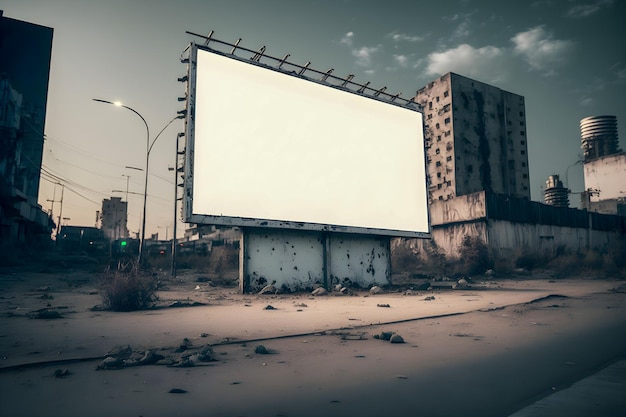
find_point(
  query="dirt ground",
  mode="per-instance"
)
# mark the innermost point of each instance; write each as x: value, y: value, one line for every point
x: 485, y: 350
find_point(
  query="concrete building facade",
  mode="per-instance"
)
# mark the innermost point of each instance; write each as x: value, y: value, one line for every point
x: 605, y: 182
x: 604, y: 166
x: 25, y: 54
x: 475, y: 137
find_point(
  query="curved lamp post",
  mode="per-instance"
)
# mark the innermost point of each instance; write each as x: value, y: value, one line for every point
x: 149, y: 146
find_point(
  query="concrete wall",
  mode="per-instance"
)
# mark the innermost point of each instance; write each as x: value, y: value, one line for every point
x: 545, y: 230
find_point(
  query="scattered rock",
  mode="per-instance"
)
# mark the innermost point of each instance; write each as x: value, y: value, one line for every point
x: 319, y: 291
x: 261, y: 350
x: 383, y: 336
x: 345, y: 291
x: 206, y: 354
x: 110, y: 363
x: 269, y: 289
x: 338, y: 287
x: 461, y: 284
x: 396, y: 338
x: 300, y: 305
x: 269, y: 307
x: 60, y: 373
x: 177, y: 391
x: 429, y: 298
x: 376, y: 290
x: 165, y: 362
x: 46, y: 314
x: 150, y: 357
x: 46, y: 297
x: 185, y: 304
x: 204, y: 334
x: 383, y: 305
x: 184, y: 362
x: 120, y: 352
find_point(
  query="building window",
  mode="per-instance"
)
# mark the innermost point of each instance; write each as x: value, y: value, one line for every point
x: 447, y: 133
x: 449, y: 158
x: 440, y: 198
x: 437, y: 99
x: 522, y: 133
x: 438, y: 163
x: 449, y: 183
x: 525, y: 176
x: 521, y: 123
x: 445, y: 93
x: 521, y: 114
x: 439, y: 175
x: 438, y: 138
x: 447, y: 121
x: 437, y: 125
x: 446, y: 108
x: 522, y: 142
x: 439, y: 186
x: 523, y: 152
x: 437, y: 151
x: 430, y: 116
x: 523, y: 164
x: 430, y: 105
x: 470, y: 168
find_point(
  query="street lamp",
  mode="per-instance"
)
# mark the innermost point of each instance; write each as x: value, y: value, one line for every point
x: 149, y: 146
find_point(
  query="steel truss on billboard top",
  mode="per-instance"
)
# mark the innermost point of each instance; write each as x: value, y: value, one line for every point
x: 274, y: 144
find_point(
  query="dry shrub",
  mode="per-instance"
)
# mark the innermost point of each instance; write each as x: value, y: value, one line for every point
x: 405, y: 259
x: 473, y: 256
x: 127, y: 288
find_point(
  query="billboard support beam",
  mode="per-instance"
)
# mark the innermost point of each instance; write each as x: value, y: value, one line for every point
x: 297, y: 260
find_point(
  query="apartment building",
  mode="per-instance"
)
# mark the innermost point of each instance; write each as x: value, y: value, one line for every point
x: 475, y: 138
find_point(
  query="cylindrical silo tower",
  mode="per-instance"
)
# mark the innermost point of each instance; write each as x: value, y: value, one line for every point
x: 598, y: 136
x: 555, y: 194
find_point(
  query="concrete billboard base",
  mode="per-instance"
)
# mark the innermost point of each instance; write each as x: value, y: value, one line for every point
x: 298, y: 260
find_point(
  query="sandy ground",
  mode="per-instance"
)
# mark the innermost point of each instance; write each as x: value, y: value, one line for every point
x: 488, y: 350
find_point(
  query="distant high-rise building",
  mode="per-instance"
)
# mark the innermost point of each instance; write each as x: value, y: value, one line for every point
x: 113, y: 218
x: 475, y: 138
x: 555, y: 194
x: 598, y: 136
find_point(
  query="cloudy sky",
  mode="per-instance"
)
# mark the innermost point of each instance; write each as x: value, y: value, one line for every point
x: 566, y: 57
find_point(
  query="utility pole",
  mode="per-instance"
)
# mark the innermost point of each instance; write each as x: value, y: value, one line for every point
x: 60, y: 215
x: 54, y: 200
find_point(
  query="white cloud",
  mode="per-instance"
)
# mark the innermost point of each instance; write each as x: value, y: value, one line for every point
x: 540, y: 50
x: 585, y: 10
x: 401, y: 60
x: 485, y: 62
x: 364, y: 54
x: 347, y: 39
x: 402, y: 37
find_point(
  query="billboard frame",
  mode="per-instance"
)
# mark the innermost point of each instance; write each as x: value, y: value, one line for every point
x: 282, y: 66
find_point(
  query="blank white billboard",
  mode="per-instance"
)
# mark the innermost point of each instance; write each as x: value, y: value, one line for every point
x: 268, y: 149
